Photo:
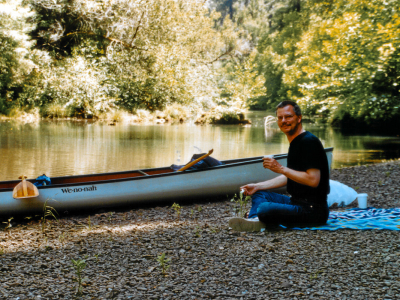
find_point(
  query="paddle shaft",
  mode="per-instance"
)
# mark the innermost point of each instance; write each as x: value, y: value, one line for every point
x: 195, y: 161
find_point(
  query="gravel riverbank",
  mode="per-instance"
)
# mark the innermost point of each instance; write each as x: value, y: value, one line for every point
x: 205, y: 259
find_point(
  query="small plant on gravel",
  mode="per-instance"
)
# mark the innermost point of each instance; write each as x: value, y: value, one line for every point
x: 89, y: 223
x: 110, y: 216
x: 79, y: 265
x: 97, y: 257
x: 2, y: 250
x: 214, y: 230
x: 197, y: 231
x: 48, y: 211
x: 387, y: 174
x: 163, y: 263
x: 380, y: 182
x: 9, y: 225
x: 177, y: 209
x: 61, y: 238
x: 315, y: 275
x: 191, y: 213
x: 241, y: 204
x: 199, y: 208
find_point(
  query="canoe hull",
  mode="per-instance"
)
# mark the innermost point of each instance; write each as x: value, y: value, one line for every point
x: 181, y: 186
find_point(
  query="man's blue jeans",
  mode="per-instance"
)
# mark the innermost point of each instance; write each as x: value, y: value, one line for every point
x: 274, y: 209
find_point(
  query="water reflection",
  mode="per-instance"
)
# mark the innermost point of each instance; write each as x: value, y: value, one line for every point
x: 67, y: 148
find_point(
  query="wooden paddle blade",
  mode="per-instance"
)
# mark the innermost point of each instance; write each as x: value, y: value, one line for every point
x: 195, y: 161
x: 25, y: 189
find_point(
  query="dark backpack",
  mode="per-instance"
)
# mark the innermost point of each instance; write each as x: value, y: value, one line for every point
x: 208, y: 162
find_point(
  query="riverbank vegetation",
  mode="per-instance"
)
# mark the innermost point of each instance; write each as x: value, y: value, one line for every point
x: 216, y: 58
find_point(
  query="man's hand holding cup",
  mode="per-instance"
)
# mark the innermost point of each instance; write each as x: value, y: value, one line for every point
x: 270, y: 163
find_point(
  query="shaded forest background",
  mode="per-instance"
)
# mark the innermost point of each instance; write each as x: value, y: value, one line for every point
x: 90, y: 58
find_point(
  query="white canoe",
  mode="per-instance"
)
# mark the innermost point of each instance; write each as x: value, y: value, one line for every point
x: 118, y: 189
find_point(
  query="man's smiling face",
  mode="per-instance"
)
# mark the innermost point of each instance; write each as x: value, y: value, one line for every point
x: 287, y: 120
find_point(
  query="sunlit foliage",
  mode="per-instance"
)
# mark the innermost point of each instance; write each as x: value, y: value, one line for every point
x: 92, y: 56
x: 15, y: 63
x: 134, y: 54
x: 84, y: 58
x: 273, y: 27
x: 338, y: 59
x: 245, y: 83
x: 348, y: 61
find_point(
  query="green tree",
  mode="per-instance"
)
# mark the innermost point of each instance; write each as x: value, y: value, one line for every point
x: 279, y: 47
x: 16, y: 67
x: 347, y: 64
x: 129, y: 54
x: 273, y: 28
x: 245, y: 83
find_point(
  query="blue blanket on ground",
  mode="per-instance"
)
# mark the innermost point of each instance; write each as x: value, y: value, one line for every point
x: 360, y: 219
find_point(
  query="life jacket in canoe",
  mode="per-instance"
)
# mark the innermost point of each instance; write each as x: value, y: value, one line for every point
x: 42, y: 180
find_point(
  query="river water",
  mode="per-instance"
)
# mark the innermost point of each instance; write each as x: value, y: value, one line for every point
x: 60, y: 148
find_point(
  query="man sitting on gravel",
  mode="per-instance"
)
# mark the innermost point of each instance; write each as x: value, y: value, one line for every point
x: 306, y: 177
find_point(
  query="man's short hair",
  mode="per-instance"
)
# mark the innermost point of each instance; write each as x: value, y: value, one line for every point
x: 296, y: 108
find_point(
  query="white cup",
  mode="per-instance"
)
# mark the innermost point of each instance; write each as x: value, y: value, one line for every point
x: 362, y: 200
x: 269, y: 156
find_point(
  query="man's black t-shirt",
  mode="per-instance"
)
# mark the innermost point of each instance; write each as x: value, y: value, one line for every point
x: 306, y: 152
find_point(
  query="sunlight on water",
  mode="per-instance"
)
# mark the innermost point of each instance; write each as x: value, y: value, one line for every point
x: 69, y: 148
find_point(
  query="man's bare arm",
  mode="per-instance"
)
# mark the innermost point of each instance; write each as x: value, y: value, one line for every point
x: 311, y: 177
x: 277, y: 182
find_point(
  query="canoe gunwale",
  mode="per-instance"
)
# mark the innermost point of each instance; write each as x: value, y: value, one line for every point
x: 227, y: 164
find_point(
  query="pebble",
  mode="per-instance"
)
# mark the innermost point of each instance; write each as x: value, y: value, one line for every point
x: 203, y: 258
